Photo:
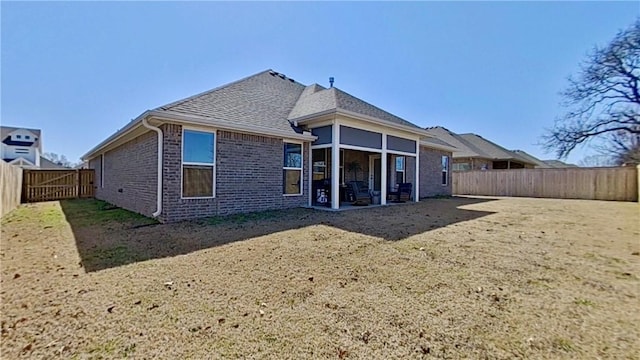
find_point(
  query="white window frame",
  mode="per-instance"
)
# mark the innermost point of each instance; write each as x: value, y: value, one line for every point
x: 213, y: 165
x: 404, y: 168
x: 445, y: 170
x: 301, y: 168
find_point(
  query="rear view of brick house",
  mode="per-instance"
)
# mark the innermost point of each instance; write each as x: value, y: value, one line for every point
x: 262, y: 143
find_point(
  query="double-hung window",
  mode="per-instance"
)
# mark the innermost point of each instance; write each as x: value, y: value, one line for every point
x: 400, y: 166
x: 445, y: 170
x: 292, y: 169
x: 198, y: 164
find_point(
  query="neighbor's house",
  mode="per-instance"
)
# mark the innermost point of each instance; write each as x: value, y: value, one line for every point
x: 21, y: 147
x: 557, y: 164
x: 537, y: 163
x: 263, y: 142
x: 543, y: 164
x: 473, y: 152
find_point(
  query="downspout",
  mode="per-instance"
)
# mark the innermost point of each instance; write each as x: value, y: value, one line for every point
x: 159, y: 191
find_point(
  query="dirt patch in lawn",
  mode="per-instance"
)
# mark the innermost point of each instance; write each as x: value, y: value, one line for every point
x: 445, y: 278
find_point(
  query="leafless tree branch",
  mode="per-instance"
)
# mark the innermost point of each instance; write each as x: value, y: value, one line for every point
x: 602, y: 99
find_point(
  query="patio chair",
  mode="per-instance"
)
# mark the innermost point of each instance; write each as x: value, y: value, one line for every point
x: 402, y: 193
x: 360, y: 192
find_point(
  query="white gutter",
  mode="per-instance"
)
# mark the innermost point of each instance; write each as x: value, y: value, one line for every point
x: 159, y: 194
x: 227, y: 125
x: 120, y: 133
x: 170, y: 116
x: 367, y: 118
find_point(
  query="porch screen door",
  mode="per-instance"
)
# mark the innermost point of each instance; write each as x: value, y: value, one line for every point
x: 375, y: 173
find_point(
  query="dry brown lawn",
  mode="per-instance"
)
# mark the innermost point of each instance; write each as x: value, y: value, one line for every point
x: 445, y: 278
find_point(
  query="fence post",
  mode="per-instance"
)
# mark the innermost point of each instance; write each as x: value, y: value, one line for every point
x: 77, y: 183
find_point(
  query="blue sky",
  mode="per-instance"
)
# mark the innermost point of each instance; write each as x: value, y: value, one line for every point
x: 80, y: 71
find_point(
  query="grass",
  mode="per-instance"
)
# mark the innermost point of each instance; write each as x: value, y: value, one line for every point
x: 584, y: 302
x: 408, y: 281
x: 88, y: 212
x: 50, y: 218
x: 250, y: 217
x: 563, y: 344
x: 118, y: 254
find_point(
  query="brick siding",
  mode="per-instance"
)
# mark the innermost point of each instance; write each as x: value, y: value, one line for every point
x: 431, y: 173
x: 130, y: 175
x: 248, y: 177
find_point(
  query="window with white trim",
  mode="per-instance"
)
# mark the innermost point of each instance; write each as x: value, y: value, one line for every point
x: 445, y: 170
x: 292, y: 169
x: 198, y: 164
x: 400, y: 169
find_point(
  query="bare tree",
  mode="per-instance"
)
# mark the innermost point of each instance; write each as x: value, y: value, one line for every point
x: 597, y: 161
x: 623, y: 147
x: 58, y: 159
x: 603, y: 100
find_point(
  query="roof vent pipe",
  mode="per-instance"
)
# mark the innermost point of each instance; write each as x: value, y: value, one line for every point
x: 331, y: 81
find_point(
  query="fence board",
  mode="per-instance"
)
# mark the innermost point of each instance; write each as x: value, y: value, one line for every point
x: 614, y: 183
x: 10, y: 187
x: 47, y: 185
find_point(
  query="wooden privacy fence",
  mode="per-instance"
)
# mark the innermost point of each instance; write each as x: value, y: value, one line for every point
x: 10, y: 187
x: 615, y: 183
x: 47, y: 185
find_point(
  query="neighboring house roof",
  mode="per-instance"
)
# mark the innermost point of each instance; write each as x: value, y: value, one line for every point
x: 463, y: 148
x: 557, y: 164
x: 532, y: 159
x: 8, y: 141
x: 492, y: 150
x: 437, y: 144
x: 48, y: 164
x: 5, y: 132
x: 475, y: 146
x: 19, y: 161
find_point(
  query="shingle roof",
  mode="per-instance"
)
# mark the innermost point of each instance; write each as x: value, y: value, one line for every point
x: 316, y: 99
x: 557, y: 164
x: 427, y: 141
x: 264, y: 99
x: 532, y: 159
x: 48, y: 164
x: 472, y: 145
x: 464, y: 148
x: 490, y: 149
